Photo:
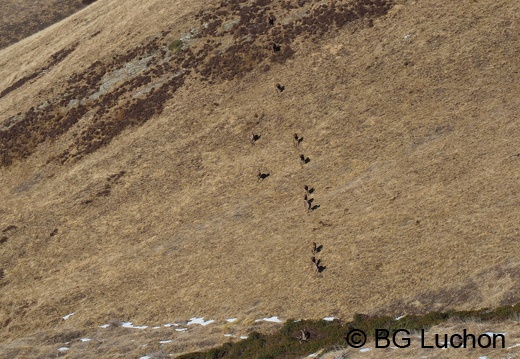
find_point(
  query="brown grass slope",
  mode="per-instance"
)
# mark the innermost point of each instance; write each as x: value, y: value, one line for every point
x: 128, y: 181
x: 21, y: 19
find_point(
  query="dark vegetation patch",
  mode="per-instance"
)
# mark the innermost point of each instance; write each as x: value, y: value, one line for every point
x: 9, y: 228
x: 53, y: 61
x: 111, y: 180
x: 21, y: 19
x: 257, y: 42
x: 328, y: 335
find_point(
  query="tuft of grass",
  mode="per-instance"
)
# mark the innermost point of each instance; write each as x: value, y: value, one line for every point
x: 176, y: 45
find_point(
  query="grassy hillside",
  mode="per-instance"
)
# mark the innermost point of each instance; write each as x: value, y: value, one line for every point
x: 21, y: 19
x: 129, y: 183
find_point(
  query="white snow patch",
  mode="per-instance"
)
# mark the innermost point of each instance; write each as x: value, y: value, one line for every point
x: 400, y: 317
x: 243, y: 337
x: 364, y: 350
x: 68, y: 316
x: 484, y: 357
x: 63, y: 349
x: 168, y: 325
x: 165, y: 341
x: 85, y: 340
x: 199, y: 321
x: 313, y: 355
x: 329, y: 319
x: 231, y: 320
x: 272, y: 319
x: 514, y: 346
x: 104, y: 326
x: 130, y: 325
x: 181, y: 329
x: 491, y: 333
x: 156, y: 327
x: 228, y: 335
x: 145, y: 357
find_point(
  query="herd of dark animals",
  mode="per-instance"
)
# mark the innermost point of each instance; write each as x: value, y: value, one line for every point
x: 308, y: 200
x: 316, y: 263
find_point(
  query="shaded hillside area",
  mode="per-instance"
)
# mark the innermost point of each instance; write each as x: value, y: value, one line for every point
x: 150, y: 172
x: 21, y: 19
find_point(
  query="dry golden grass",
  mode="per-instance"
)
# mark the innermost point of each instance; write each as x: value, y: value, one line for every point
x: 411, y: 126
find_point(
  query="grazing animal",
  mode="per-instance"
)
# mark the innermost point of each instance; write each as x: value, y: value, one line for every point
x: 314, y: 248
x: 315, y: 265
x: 304, y: 160
x: 280, y: 88
x: 262, y: 176
x: 276, y: 48
x: 297, y: 140
x: 315, y: 207
x: 308, y: 189
x: 254, y: 138
x: 271, y: 20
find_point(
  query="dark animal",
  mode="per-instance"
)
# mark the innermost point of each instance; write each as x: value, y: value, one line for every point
x: 304, y: 160
x: 276, y: 48
x: 315, y: 264
x: 271, y: 20
x: 280, y: 88
x: 297, y: 140
x: 262, y: 176
x: 254, y: 138
x: 308, y: 189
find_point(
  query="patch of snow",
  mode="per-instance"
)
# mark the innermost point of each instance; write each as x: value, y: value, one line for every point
x: 156, y: 327
x: 63, y: 349
x: 400, y: 317
x: 272, y: 319
x: 104, y: 326
x: 130, y: 325
x: 85, y: 339
x: 165, y: 341
x: 145, y: 357
x: 181, y: 329
x: 228, y: 335
x: 313, y: 355
x: 199, y: 321
x: 364, y: 350
x: 484, y: 357
x: 491, y: 333
x: 231, y: 320
x: 514, y: 346
x: 168, y: 325
x: 68, y: 316
x: 243, y: 337
x: 329, y: 319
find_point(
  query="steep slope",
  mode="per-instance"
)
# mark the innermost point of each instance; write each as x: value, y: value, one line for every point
x: 21, y: 19
x: 129, y: 184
